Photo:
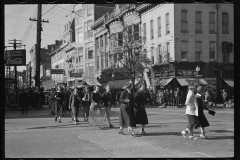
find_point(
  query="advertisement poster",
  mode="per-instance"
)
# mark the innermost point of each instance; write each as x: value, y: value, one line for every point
x: 15, y: 57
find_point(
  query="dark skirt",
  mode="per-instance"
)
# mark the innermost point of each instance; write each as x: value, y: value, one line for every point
x: 86, y: 108
x: 75, y: 110
x: 58, y: 110
x: 192, y: 121
x: 203, y: 122
x: 141, y: 115
x: 126, y: 116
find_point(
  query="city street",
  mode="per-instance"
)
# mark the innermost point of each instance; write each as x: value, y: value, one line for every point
x: 37, y: 135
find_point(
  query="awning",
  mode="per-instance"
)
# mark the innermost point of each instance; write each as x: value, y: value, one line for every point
x: 229, y: 82
x: 189, y: 81
x: 162, y: 82
x: 119, y: 84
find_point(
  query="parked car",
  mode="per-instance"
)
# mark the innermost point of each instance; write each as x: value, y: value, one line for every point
x: 46, y: 93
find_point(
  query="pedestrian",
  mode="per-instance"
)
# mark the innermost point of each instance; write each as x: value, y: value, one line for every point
x: 74, y: 104
x: 24, y: 100
x: 107, y: 99
x: 59, y: 98
x: 171, y: 99
x: 167, y: 98
x: 203, y: 122
x: 42, y: 95
x: 66, y: 99
x: 224, y: 96
x: 177, y: 97
x: 37, y: 98
x: 95, y: 107
x: 52, y: 102
x: 127, y: 104
x: 86, y: 103
x: 140, y: 111
x: 191, y: 112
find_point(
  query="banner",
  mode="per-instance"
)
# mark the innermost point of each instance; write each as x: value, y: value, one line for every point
x: 48, y: 84
x: 15, y: 57
x: 92, y: 81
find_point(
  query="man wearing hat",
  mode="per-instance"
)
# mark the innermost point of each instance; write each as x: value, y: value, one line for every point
x: 126, y: 117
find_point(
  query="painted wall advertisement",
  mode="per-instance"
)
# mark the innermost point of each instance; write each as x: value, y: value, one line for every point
x: 15, y: 57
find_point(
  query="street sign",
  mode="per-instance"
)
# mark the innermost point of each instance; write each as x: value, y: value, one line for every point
x: 15, y: 57
x: 76, y: 75
x: 57, y: 71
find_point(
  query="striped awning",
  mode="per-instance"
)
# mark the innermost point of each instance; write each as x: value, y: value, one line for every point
x: 229, y: 82
x: 189, y: 81
x: 162, y: 82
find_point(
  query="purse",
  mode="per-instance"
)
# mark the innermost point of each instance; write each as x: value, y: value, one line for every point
x: 211, y: 112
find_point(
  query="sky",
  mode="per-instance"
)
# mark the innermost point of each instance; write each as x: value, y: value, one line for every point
x: 19, y: 27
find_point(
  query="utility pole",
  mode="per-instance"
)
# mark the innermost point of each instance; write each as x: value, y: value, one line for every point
x: 38, y: 49
x: 15, y: 67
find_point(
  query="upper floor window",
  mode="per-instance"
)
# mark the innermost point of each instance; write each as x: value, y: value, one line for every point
x: 89, y: 9
x: 212, y: 47
x: 225, y: 23
x: 159, y: 26
x: 198, y: 47
x: 152, y: 55
x: 136, y: 32
x: 90, y: 53
x: 144, y: 32
x: 97, y: 43
x: 120, y: 39
x: 168, y: 51
x: 184, y: 50
x: 106, y: 59
x: 184, y: 21
x: 97, y: 62
x: 212, y: 22
x: 159, y: 54
x: 106, y: 39
x: 167, y: 24
x: 151, y: 30
x: 198, y: 22
x: 101, y: 40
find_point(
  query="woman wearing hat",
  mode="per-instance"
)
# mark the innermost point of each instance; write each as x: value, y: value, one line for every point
x: 86, y: 103
x: 107, y: 100
x: 140, y: 111
x: 125, y: 116
x: 203, y: 122
x: 74, y: 103
x: 192, y: 112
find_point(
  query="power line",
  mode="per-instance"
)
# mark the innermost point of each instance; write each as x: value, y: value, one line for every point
x: 65, y: 9
x: 50, y: 9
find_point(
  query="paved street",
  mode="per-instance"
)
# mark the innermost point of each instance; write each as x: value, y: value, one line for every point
x: 37, y: 135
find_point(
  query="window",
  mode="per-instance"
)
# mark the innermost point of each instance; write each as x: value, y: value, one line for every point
x: 97, y: 62
x: 198, y: 47
x: 136, y: 32
x: 90, y: 53
x: 97, y: 43
x: 167, y: 24
x: 184, y: 50
x: 76, y: 60
x: 101, y: 39
x: 225, y: 22
x: 168, y: 51
x: 129, y: 33
x: 151, y: 29
x: 88, y: 33
x: 212, y: 51
x: 120, y: 39
x: 159, y: 26
x: 89, y: 9
x: 80, y: 37
x: 86, y: 57
x: 152, y: 56
x: 80, y: 59
x: 212, y: 22
x: 102, y: 61
x: 106, y: 59
x: 159, y: 54
x: 198, y: 22
x: 144, y: 32
x: 91, y: 70
x: 113, y: 40
x: 106, y: 39
x: 184, y: 21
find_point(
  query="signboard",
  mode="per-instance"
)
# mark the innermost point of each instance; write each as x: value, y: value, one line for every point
x: 212, y: 83
x: 76, y: 75
x: 57, y: 71
x: 186, y: 73
x: 9, y: 80
x: 15, y: 57
x: 48, y: 84
x: 90, y: 80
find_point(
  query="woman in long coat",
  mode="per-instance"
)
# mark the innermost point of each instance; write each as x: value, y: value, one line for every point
x: 140, y: 111
x: 59, y: 97
x: 126, y: 118
x: 203, y: 122
x: 74, y: 103
x: 86, y: 103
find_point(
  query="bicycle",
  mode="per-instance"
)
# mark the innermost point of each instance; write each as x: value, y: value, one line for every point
x: 228, y: 105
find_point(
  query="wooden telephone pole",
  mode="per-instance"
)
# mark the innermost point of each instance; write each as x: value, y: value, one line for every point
x: 38, y: 49
x: 15, y: 67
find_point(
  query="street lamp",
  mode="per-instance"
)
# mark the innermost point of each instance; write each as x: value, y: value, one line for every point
x: 30, y: 70
x: 113, y: 76
x: 198, y: 69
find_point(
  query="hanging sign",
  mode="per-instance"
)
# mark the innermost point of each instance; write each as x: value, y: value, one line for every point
x: 15, y: 57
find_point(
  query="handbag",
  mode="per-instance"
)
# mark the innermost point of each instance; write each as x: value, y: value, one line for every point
x: 211, y: 112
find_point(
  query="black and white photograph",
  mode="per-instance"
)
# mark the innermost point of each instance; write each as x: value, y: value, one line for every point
x: 141, y: 80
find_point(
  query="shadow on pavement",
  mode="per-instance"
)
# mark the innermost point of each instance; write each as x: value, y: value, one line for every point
x: 163, y: 134
x: 58, y: 126
x: 222, y: 131
x: 220, y: 137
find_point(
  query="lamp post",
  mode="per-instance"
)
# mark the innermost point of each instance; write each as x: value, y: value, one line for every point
x: 113, y: 76
x: 30, y: 78
x: 198, y: 69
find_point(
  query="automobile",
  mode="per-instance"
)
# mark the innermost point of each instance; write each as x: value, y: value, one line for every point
x: 46, y: 93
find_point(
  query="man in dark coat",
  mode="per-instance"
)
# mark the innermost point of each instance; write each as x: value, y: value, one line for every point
x: 24, y: 100
x: 38, y: 98
x: 52, y: 101
x: 140, y: 111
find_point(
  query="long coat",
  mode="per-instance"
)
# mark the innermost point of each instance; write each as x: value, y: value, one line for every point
x: 126, y: 114
x: 74, y: 103
x: 86, y: 103
x: 140, y: 111
x: 203, y: 122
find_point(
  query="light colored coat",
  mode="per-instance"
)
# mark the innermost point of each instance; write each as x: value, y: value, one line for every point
x: 191, y: 103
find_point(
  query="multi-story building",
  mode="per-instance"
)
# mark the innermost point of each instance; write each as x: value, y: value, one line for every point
x: 86, y: 15
x: 45, y: 60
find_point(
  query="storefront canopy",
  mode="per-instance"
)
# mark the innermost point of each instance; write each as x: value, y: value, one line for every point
x: 162, y: 82
x: 229, y: 82
x: 189, y: 81
x: 119, y: 84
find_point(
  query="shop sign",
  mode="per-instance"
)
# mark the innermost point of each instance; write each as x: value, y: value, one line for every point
x: 76, y: 75
x: 186, y: 73
x: 15, y: 57
x: 57, y: 71
x: 212, y: 83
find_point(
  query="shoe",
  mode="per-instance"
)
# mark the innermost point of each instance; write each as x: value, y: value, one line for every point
x: 194, y: 138
x: 56, y: 119
x: 121, y: 132
x: 132, y: 132
x: 142, y: 133
x: 111, y: 126
x: 184, y: 133
x: 74, y: 122
x: 203, y: 136
x: 59, y: 121
x: 77, y: 120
